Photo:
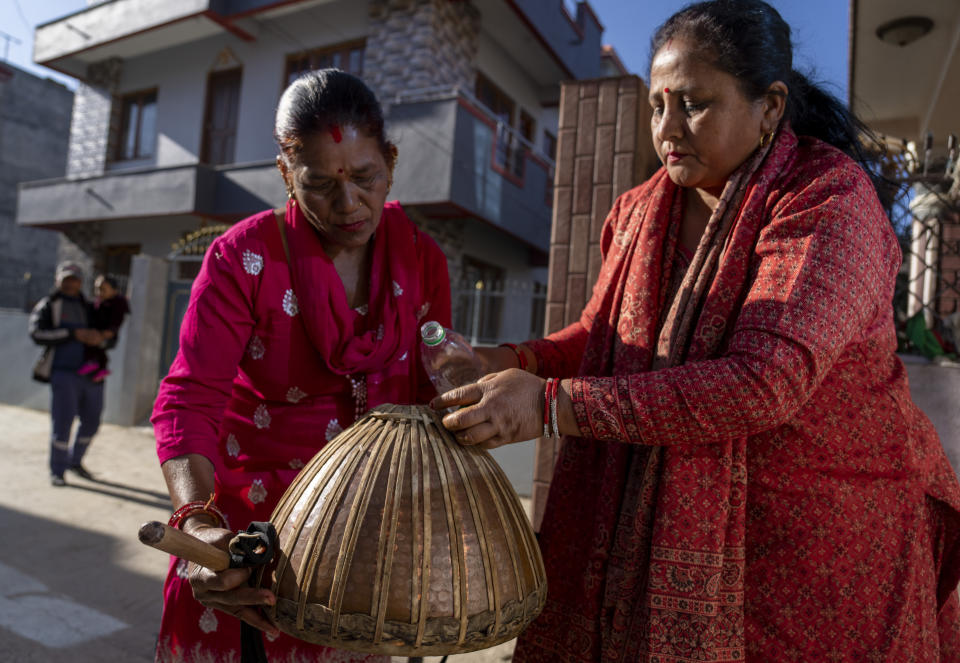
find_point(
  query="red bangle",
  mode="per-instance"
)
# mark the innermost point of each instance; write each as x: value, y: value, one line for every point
x: 198, y: 506
x: 554, y: 423
x: 546, y: 408
x: 522, y: 358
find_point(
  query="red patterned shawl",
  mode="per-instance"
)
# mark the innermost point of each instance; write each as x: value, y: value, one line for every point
x: 658, y: 573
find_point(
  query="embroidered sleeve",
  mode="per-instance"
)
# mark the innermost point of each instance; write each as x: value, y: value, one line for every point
x: 213, y: 336
x: 823, y: 282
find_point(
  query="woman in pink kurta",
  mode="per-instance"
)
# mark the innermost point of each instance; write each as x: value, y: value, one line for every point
x: 299, y: 321
x: 743, y: 475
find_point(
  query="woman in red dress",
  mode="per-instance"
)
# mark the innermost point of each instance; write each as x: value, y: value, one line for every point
x: 299, y: 320
x: 743, y: 475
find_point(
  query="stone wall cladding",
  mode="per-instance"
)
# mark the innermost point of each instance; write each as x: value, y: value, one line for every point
x: 448, y: 234
x: 416, y: 44
x: 82, y: 243
x: 603, y: 149
x: 91, y: 122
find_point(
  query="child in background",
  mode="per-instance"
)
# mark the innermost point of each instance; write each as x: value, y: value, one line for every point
x: 110, y: 308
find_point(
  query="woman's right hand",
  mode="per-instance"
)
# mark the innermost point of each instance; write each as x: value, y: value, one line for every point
x: 228, y: 591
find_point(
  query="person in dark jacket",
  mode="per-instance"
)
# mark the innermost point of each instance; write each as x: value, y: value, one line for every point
x: 62, y: 322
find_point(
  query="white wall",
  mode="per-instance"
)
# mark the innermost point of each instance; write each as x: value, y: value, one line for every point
x: 17, y: 356
x: 180, y: 76
x: 154, y: 235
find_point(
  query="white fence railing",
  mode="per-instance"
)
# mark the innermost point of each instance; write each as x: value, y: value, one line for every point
x: 487, y: 313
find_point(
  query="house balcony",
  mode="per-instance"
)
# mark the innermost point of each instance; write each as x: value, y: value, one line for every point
x: 455, y: 160
x: 226, y: 192
x: 129, y: 28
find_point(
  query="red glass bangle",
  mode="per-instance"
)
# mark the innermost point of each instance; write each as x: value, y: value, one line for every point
x: 198, y: 506
x: 546, y: 408
x: 554, y: 422
x: 522, y: 358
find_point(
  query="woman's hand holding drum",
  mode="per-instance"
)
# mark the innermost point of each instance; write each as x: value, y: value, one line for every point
x: 228, y: 591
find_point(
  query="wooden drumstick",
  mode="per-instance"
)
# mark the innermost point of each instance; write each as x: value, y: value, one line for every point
x: 172, y: 540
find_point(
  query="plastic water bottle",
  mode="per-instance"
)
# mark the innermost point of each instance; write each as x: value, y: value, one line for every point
x: 447, y: 357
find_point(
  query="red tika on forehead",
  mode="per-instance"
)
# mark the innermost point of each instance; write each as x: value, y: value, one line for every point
x: 335, y: 132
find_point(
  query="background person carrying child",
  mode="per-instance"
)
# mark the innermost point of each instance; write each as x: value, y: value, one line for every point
x: 109, y: 311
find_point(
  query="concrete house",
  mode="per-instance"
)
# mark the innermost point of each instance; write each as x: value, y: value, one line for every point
x: 171, y: 140
x: 172, y: 129
x: 34, y: 131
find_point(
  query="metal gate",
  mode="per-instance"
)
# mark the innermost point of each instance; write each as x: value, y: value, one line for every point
x: 184, y: 261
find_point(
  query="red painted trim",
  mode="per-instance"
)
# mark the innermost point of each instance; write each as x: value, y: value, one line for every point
x: 224, y: 22
x: 537, y: 159
x: 505, y: 173
x: 543, y: 42
x: 227, y: 25
x: 477, y: 113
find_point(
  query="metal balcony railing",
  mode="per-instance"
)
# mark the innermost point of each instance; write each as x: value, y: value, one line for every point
x: 512, y: 147
x: 923, y: 202
x: 492, y: 312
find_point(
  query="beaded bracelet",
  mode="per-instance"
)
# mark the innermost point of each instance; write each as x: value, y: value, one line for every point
x: 522, y: 358
x: 546, y: 408
x: 199, y: 506
x: 553, y: 408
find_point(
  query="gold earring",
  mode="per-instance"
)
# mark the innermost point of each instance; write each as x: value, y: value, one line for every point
x: 765, y: 139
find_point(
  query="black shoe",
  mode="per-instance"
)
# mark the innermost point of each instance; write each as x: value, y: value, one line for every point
x: 81, y: 471
x: 57, y: 480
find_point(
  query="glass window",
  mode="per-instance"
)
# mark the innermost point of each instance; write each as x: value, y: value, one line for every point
x: 510, y: 153
x: 138, y: 128
x: 347, y: 56
x: 550, y: 145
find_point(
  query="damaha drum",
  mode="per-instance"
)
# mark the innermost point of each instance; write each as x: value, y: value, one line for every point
x: 395, y: 539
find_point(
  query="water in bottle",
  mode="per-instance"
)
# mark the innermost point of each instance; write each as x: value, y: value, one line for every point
x: 447, y: 357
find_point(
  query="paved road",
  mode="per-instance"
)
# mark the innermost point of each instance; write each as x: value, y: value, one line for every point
x: 75, y: 583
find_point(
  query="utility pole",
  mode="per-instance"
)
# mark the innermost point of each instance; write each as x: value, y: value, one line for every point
x: 7, y: 38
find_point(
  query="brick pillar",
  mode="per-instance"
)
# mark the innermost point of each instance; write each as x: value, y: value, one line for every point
x: 420, y: 43
x: 90, y: 125
x: 603, y: 149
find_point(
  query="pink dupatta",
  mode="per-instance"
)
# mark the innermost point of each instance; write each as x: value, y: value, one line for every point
x: 322, y: 301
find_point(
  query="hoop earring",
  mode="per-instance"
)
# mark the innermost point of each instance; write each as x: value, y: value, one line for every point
x: 765, y: 139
